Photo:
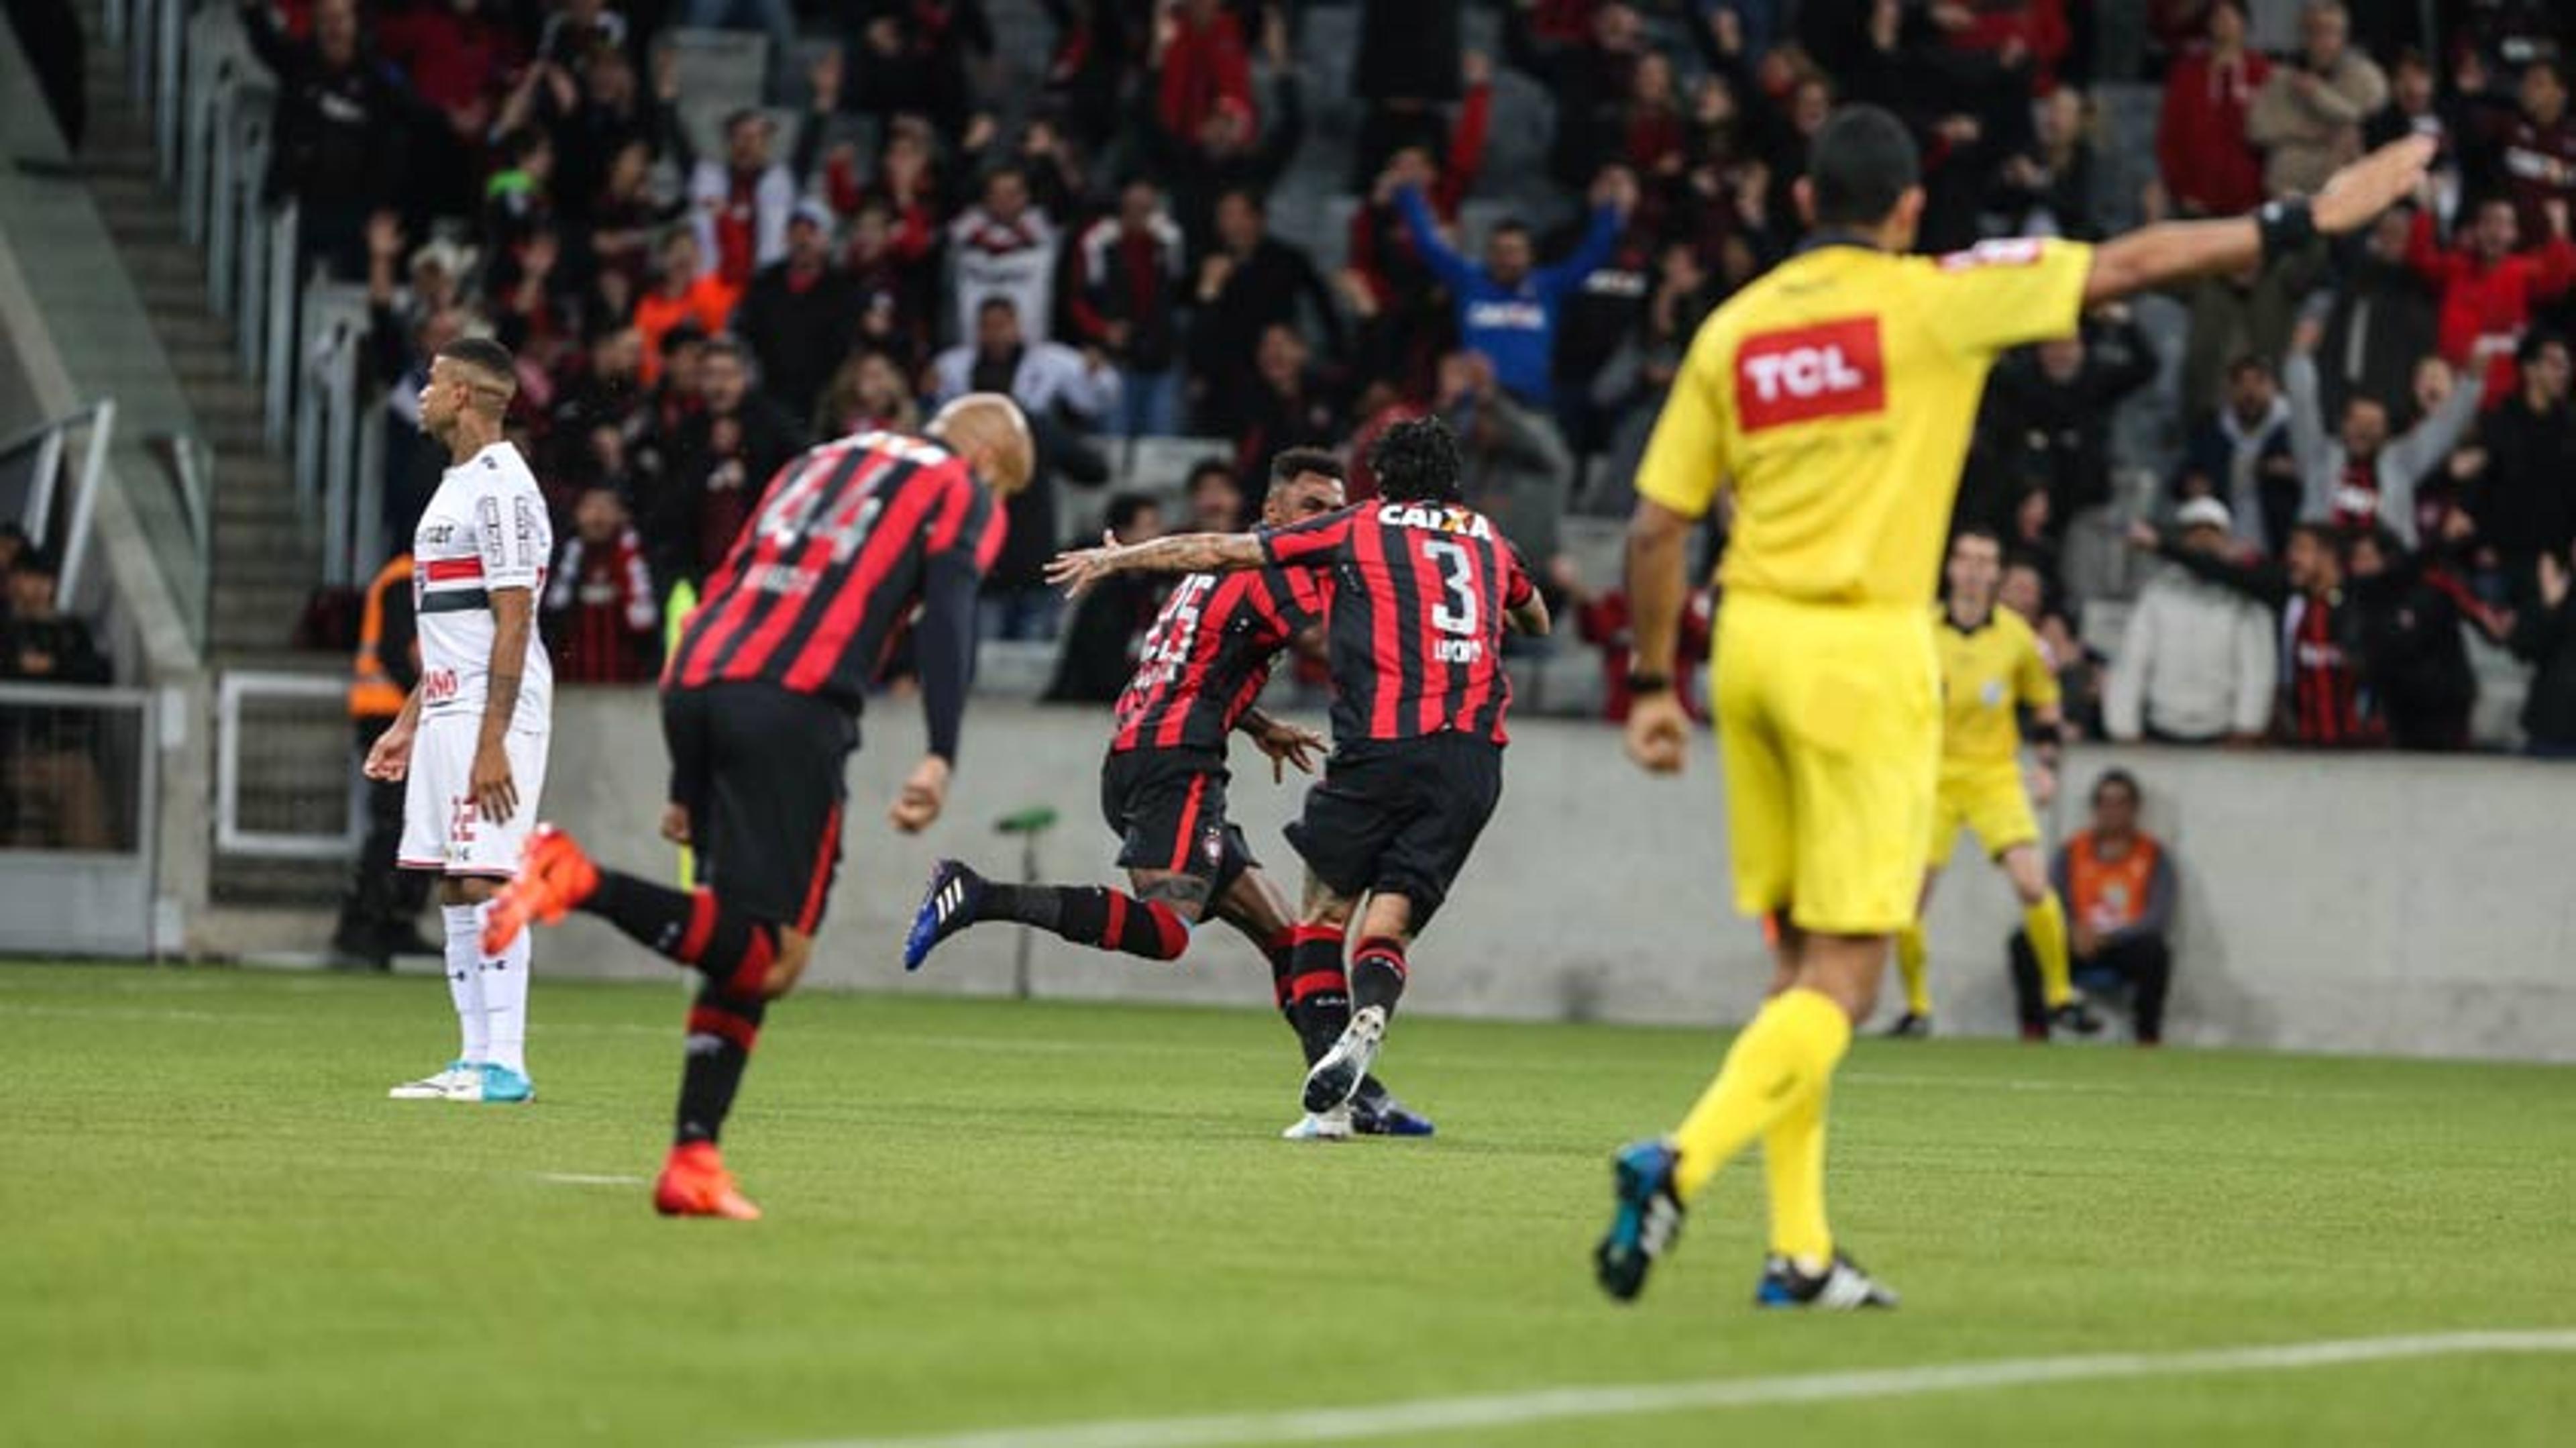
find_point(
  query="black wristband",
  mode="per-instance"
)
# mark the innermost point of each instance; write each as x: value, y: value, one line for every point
x: 2051, y: 736
x: 1641, y: 682
x: 2286, y: 226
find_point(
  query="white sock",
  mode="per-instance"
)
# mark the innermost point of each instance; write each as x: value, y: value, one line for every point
x: 465, y: 977
x: 505, y: 1003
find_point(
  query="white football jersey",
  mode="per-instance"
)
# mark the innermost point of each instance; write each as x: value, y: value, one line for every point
x: 485, y: 528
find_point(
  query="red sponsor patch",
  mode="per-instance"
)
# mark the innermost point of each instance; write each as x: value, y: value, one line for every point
x: 1830, y: 369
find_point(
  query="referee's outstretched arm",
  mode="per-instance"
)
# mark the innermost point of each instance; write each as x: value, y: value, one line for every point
x: 2169, y: 251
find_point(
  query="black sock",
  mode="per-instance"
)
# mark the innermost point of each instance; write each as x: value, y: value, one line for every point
x: 722, y: 1027
x: 695, y: 929
x: 1091, y: 915
x: 1281, y: 951
x: 1377, y: 973
x: 1319, y: 994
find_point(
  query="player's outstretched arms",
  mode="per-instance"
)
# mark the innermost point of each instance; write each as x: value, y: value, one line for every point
x: 2170, y: 251
x: 1078, y: 569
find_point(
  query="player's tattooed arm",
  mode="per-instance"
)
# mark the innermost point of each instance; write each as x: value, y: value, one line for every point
x: 496, y: 792
x: 1076, y: 570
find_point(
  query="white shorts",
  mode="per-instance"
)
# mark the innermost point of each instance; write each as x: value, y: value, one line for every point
x: 443, y: 830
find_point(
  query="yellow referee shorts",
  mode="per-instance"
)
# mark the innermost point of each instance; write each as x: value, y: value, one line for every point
x: 1829, y: 727
x: 1987, y: 799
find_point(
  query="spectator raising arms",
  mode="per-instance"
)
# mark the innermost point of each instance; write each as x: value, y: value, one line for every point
x: 2360, y: 476
x: 2488, y: 290
x: 1507, y: 307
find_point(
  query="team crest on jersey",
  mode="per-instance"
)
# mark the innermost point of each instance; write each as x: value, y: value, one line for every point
x: 1992, y: 695
x: 1446, y: 519
x: 1803, y: 374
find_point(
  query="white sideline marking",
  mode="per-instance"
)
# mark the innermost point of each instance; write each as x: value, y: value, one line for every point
x: 1513, y: 1410
x: 586, y: 1179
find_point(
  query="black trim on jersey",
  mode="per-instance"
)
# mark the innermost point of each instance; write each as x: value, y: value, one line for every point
x: 1405, y: 566
x: 456, y: 600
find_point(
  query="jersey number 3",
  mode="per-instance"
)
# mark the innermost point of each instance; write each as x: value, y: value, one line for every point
x: 1456, y: 613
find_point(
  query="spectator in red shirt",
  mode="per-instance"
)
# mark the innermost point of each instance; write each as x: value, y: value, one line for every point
x: 1201, y: 62
x: 2208, y: 165
x: 600, y: 609
x: 457, y: 57
x: 2025, y: 38
x: 2488, y: 290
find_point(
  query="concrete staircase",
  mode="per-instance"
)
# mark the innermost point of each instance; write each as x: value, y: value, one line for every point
x: 265, y: 558
x: 264, y: 562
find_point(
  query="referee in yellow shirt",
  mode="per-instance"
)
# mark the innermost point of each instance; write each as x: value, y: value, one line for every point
x: 1833, y: 397
x: 1991, y: 670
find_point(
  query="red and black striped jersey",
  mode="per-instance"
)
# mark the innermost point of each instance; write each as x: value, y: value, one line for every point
x: 1209, y: 653
x: 832, y: 565
x: 1420, y: 594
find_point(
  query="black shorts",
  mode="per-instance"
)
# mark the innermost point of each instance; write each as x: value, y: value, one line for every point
x: 760, y: 770
x: 1167, y: 807
x: 1399, y: 817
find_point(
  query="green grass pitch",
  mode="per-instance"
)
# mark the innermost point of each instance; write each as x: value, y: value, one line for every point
x: 214, y: 1229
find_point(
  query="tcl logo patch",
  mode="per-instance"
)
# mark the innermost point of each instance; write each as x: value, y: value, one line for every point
x: 1831, y: 369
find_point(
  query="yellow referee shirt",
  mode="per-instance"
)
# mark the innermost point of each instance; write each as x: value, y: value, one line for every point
x: 1986, y: 675
x: 1835, y: 395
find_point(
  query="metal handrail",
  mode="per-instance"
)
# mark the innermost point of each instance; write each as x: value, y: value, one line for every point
x: 47, y: 438
x: 230, y: 837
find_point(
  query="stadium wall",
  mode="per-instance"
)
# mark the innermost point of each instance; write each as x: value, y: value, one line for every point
x: 2365, y: 904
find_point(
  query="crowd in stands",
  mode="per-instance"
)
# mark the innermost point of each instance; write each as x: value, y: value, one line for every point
x: 2364, y: 464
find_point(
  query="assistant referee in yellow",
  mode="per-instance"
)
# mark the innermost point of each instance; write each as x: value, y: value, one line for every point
x: 1833, y: 397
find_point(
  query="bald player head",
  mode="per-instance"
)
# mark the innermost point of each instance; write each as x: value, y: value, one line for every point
x: 988, y: 430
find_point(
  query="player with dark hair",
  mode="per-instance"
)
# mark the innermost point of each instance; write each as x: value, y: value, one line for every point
x: 471, y: 741
x: 1163, y: 786
x: 1991, y: 671
x: 1423, y: 588
x: 1834, y: 397
x: 760, y: 709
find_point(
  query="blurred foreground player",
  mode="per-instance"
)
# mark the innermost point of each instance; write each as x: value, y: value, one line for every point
x: 760, y: 706
x: 1992, y: 669
x: 1835, y: 396
x: 1163, y: 786
x: 470, y: 743
x: 1423, y: 588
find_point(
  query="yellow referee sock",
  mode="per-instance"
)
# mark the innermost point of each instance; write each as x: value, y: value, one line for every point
x: 2045, y: 923
x: 1784, y: 1055
x: 1912, y: 956
x: 1793, y: 1165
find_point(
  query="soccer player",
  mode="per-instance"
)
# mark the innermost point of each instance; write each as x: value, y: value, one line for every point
x: 1834, y: 397
x: 470, y: 742
x: 1423, y: 588
x: 760, y: 709
x: 1162, y: 791
x: 1991, y: 669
